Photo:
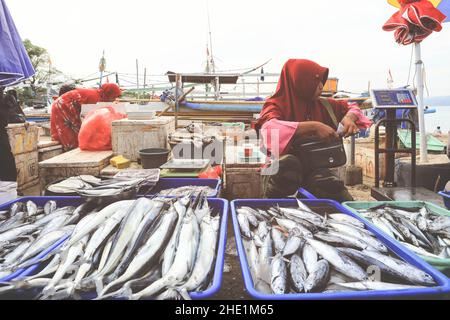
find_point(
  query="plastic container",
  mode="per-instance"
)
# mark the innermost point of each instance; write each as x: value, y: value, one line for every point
x: 217, y: 205
x: 8, y: 191
x: 334, y: 207
x: 305, y: 194
x: 40, y: 202
x: 441, y: 264
x: 153, y: 158
x: 168, y: 183
x: 446, y: 196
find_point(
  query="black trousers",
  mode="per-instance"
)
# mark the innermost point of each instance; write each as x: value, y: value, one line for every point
x: 8, y: 171
x: 293, y: 174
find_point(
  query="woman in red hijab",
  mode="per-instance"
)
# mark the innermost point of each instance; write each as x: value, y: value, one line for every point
x: 66, y: 110
x: 296, y: 114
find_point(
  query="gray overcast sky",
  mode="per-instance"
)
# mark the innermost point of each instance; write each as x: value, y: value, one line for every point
x: 344, y: 35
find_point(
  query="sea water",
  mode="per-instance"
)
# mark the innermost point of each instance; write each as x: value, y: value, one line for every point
x: 439, y: 119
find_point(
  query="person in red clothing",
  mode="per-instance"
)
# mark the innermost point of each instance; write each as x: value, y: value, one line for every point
x: 66, y: 110
x: 298, y: 114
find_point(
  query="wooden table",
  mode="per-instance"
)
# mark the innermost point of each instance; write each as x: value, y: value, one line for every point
x: 73, y: 163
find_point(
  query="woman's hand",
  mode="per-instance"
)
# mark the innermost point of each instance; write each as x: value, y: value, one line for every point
x: 350, y: 127
x: 315, y: 131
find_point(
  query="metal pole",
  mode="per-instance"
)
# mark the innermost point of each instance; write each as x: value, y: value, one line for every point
x: 137, y: 74
x: 145, y: 77
x: 177, y: 105
x: 391, y: 144
x: 352, y: 151
x: 420, y: 89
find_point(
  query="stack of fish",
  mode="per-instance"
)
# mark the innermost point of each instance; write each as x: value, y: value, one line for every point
x: 183, y: 191
x: 112, y: 188
x: 133, y: 249
x: 418, y: 229
x: 296, y: 250
x: 26, y: 231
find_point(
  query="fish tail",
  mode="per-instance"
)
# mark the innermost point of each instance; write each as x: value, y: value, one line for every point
x: 183, y: 293
x: 99, y: 284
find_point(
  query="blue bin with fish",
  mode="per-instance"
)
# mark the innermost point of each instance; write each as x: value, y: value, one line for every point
x: 219, y: 206
x: 39, y: 201
x: 173, y: 183
x: 441, y: 264
x: 446, y: 197
x: 329, y: 206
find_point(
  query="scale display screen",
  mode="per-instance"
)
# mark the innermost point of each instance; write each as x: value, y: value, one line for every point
x: 393, y: 99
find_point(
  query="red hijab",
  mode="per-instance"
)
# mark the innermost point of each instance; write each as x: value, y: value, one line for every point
x: 294, y: 99
x: 110, y: 92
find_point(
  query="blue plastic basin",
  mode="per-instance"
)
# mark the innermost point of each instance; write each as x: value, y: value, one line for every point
x: 443, y: 282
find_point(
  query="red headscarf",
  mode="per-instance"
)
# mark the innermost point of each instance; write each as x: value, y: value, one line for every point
x: 295, y: 99
x: 110, y: 92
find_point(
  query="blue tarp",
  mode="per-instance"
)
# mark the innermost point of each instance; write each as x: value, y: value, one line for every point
x: 15, y: 65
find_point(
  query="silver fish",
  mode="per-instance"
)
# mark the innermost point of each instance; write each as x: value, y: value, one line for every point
x: 32, y: 208
x: 16, y: 208
x: 49, y: 207
x: 310, y: 257
x: 404, y: 269
x: 92, y: 222
x: 244, y: 225
x: 183, y: 263
x: 298, y: 273
x: 129, y: 225
x: 279, y: 240
x: 279, y: 275
x: 419, y: 234
x: 17, y: 232
x: 205, y: 255
x: 293, y: 243
x: 339, y: 261
x: 319, y: 277
x: 420, y: 251
x: 364, y: 236
x: 150, y: 252
x: 171, y: 249
x: 340, y: 217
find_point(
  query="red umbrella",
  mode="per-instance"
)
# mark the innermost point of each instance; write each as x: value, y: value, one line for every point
x: 415, y: 21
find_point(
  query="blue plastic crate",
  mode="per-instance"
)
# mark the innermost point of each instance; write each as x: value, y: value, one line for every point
x: 170, y: 183
x: 443, y: 282
x: 446, y: 196
x: 217, y: 205
x: 305, y: 194
x: 40, y: 201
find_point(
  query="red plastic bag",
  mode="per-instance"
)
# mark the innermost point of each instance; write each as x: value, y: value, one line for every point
x: 213, y: 173
x: 95, y: 132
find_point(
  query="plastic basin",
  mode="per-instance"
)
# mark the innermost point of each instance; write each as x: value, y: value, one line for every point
x: 153, y: 158
x: 441, y: 264
x: 443, y: 283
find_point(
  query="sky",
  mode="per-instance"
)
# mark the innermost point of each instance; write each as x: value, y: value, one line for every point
x: 345, y: 36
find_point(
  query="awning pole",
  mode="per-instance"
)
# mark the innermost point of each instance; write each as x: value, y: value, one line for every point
x: 421, y: 111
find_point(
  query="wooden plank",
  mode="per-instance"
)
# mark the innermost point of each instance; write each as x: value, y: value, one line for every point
x: 27, y: 165
x: 78, y: 159
x: 50, y: 152
x: 23, y: 138
x: 47, y: 143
